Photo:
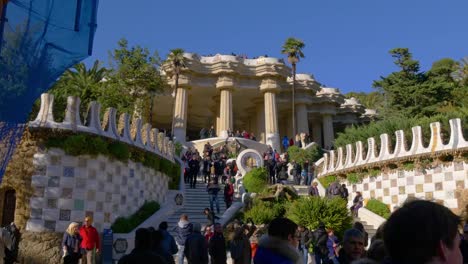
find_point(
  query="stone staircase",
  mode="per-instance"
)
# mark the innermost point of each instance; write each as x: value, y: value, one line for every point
x: 195, y: 201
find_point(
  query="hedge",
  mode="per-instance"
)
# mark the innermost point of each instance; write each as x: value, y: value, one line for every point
x: 327, y: 180
x: 263, y: 212
x: 378, y: 207
x: 127, y: 224
x: 256, y: 180
x: 86, y: 144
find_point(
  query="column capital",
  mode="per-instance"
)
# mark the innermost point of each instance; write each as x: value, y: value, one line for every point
x: 269, y: 85
x: 184, y: 81
x: 226, y: 82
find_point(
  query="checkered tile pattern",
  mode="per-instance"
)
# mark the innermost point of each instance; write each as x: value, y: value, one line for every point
x: 438, y: 184
x: 68, y: 188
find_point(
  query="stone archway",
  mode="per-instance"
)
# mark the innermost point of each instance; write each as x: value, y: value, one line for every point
x: 9, y: 206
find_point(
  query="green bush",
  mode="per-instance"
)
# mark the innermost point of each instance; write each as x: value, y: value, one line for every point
x: 256, y: 180
x: 378, y: 207
x: 327, y: 180
x: 354, y: 177
x: 300, y: 155
x: 263, y: 212
x: 119, y: 150
x: 408, y: 166
x: 127, y: 224
x: 310, y: 211
x: 76, y: 145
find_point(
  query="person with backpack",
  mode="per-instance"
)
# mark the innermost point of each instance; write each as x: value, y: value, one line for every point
x: 320, y: 239
x: 334, y: 190
x: 344, y: 192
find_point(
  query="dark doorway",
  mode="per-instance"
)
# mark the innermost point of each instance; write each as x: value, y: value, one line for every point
x: 9, y: 206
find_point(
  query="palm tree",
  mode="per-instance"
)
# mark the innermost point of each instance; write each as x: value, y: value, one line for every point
x: 83, y: 82
x: 292, y: 47
x: 177, y: 60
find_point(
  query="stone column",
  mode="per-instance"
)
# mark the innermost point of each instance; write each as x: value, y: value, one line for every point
x: 226, y: 85
x: 328, y: 134
x: 302, y: 120
x: 179, y: 122
x: 260, y: 119
x: 270, y: 87
x: 317, y: 132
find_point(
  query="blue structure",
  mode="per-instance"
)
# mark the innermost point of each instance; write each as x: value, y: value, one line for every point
x: 39, y: 40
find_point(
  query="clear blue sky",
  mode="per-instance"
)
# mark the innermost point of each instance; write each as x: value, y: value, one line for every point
x: 347, y: 42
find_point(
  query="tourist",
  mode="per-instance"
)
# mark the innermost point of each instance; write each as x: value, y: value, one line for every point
x: 211, y: 132
x: 353, y: 247
x: 344, y: 192
x: 206, y: 168
x: 208, y: 233
x: 296, y: 172
x: 229, y: 192
x: 285, y: 143
x: 252, y: 136
x: 90, y: 241
x: 203, y: 133
x: 357, y: 204
x: 310, y: 174
x: 157, y: 247
x: 71, y: 244
x: 332, y: 246
x: 313, y: 190
x: 423, y: 232
x: 217, y: 246
x: 297, y: 141
x: 210, y: 216
x: 213, y: 189
x: 196, y: 248
x: 194, y: 166
x: 280, y: 245
x: 183, y: 230
x: 464, y: 244
x: 240, y: 247
x: 168, y: 242
x: 320, y: 238
x: 359, y: 226
x: 142, y: 252
x: 334, y: 190
x: 283, y: 175
x: 305, y: 172
x: 305, y: 241
x: 238, y: 134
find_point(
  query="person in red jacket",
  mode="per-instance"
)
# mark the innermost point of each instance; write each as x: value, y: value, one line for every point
x: 90, y: 241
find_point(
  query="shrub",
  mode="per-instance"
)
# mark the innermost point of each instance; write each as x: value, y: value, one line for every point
x: 378, y: 207
x: 263, y: 212
x: 408, y: 166
x: 119, y: 151
x: 127, y: 224
x: 256, y: 180
x: 327, y: 180
x: 300, y: 155
x: 354, y: 177
x: 75, y: 145
x: 310, y: 211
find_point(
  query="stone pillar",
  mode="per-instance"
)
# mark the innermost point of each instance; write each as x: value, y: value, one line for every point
x: 226, y: 85
x: 301, y: 118
x: 260, y: 119
x: 328, y: 134
x: 225, y: 113
x: 270, y: 87
x: 179, y: 122
x: 317, y: 132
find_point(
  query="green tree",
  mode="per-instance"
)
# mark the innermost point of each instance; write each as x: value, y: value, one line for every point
x: 177, y: 60
x: 372, y: 100
x: 292, y: 48
x: 137, y: 70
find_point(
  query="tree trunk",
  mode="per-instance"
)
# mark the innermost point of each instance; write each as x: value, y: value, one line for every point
x: 175, y: 97
x: 294, y: 101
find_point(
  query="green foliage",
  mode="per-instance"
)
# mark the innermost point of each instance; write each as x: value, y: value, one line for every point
x: 84, y: 144
x: 373, y: 100
x: 374, y: 172
x: 327, y: 180
x: 178, y: 148
x: 263, y: 212
x: 127, y: 224
x: 300, y: 155
x: 310, y: 211
x: 256, y: 180
x: 408, y: 166
x: 378, y: 207
x: 354, y: 177
x: 292, y: 48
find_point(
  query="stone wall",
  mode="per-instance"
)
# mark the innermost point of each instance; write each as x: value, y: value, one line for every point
x: 38, y: 248
x: 445, y: 183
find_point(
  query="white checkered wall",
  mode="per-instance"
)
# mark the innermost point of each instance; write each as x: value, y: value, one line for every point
x: 68, y: 188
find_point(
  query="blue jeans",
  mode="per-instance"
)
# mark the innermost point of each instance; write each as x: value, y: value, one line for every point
x: 214, y: 199
x: 320, y: 259
x: 305, y: 254
x: 180, y: 254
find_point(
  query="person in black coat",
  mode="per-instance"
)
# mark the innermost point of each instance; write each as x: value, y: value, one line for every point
x: 142, y: 252
x: 196, y: 248
x: 217, y: 246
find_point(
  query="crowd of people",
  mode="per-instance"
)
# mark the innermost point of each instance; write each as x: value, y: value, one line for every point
x: 420, y: 232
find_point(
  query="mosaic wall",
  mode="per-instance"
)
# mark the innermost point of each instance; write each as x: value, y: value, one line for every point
x: 68, y: 188
x: 441, y: 183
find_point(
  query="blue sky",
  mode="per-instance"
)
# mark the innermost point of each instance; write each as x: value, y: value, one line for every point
x: 347, y: 42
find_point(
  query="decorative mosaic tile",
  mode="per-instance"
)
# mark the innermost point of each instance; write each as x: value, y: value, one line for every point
x: 55, y: 160
x: 67, y: 193
x: 458, y: 166
x: 79, y: 204
x: 123, y: 199
x: 130, y: 189
x: 108, y: 197
x: 115, y: 208
x: 386, y: 191
x: 142, y: 193
x: 410, y: 180
x: 109, y: 177
x: 54, y: 181
x: 116, y: 189
x: 401, y: 174
x: 124, y: 180
x: 65, y: 215
x: 118, y: 170
x: 68, y: 172
x: 418, y: 172
x: 80, y: 183
x: 460, y: 184
x: 50, y: 225
x: 438, y: 186
x: 52, y: 203
x: 39, y: 191
x: 82, y: 162
x: 394, y: 199
x: 91, y: 195
x: 428, y: 178
x: 437, y: 169
x: 102, y: 166
x: 137, y: 184
x: 99, y: 206
x: 393, y: 183
x: 92, y: 174
x: 132, y: 173
x: 448, y: 176
x: 419, y: 188
x: 101, y: 185
x: 36, y: 213
x: 366, y: 186
x: 401, y: 190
